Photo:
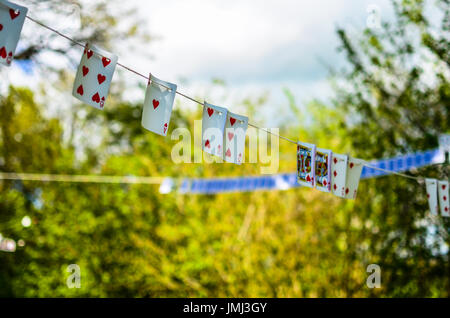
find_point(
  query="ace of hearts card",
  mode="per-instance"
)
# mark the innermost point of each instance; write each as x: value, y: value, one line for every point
x: 94, y: 76
x: 306, y: 154
x: 12, y: 18
x: 158, y: 104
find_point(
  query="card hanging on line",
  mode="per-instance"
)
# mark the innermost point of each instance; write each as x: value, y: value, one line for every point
x: 339, y: 165
x: 354, y: 169
x: 323, y: 168
x: 94, y: 76
x: 306, y: 154
x: 234, y: 138
x: 12, y: 18
x: 213, y: 126
x: 431, y: 187
x: 443, y: 194
x: 158, y: 104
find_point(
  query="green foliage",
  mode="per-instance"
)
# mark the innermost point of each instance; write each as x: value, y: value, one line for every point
x: 132, y: 241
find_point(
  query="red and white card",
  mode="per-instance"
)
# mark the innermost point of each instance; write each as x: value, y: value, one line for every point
x: 12, y: 18
x: 234, y: 138
x: 323, y: 168
x: 306, y: 156
x: 443, y: 198
x: 94, y: 76
x: 213, y: 129
x: 431, y: 186
x: 158, y: 104
x: 354, y: 169
x: 339, y: 174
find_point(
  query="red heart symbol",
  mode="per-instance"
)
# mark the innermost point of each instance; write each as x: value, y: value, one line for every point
x: 210, y: 112
x: 335, y: 187
x: 85, y: 70
x: 155, y: 104
x: 1, y: 27
x: 96, y: 98
x: 351, y: 165
x: 14, y: 13
x: 308, y: 178
x: 89, y: 54
x: 346, y: 191
x: 335, y: 160
x: 228, y: 153
x: 207, y: 145
x: 445, y: 198
x: 165, y: 127
x: 3, y: 52
x: 232, y: 121
x: 428, y: 196
x: 105, y: 61
x: 325, y: 182
x: 446, y: 209
x: 443, y: 187
x: 80, y: 90
x: 101, y: 78
x: 335, y: 173
x: 230, y: 135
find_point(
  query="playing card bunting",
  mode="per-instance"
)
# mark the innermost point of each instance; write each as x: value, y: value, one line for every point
x: 443, y: 194
x: 339, y: 174
x: 306, y: 154
x: 234, y: 138
x: 213, y: 126
x: 158, y: 105
x: 94, y: 76
x: 431, y: 186
x: 354, y: 169
x: 323, y: 168
x: 12, y: 18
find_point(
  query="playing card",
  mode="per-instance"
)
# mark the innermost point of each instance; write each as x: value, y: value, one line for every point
x: 213, y: 127
x: 306, y: 154
x: 94, y: 76
x: 12, y: 18
x: 234, y: 138
x: 323, y: 168
x: 158, y: 105
x: 443, y: 194
x: 354, y: 169
x: 339, y: 174
x: 431, y: 186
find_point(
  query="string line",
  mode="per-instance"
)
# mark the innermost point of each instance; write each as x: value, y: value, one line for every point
x: 125, y: 179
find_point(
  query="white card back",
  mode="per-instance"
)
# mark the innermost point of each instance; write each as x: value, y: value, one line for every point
x: 158, y: 104
x: 12, y: 18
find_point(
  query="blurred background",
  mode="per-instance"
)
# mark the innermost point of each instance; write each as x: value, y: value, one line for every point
x: 370, y: 78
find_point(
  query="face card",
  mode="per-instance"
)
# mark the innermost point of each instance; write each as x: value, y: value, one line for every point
x: 339, y: 174
x: 12, y: 18
x: 443, y: 198
x: 158, y: 105
x: 323, y: 169
x: 94, y: 76
x: 234, y: 138
x: 306, y: 154
x: 431, y: 186
x: 354, y: 169
x: 213, y: 126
